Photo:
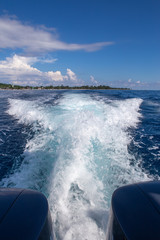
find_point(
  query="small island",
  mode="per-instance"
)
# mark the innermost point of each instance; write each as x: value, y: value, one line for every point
x: 4, y: 86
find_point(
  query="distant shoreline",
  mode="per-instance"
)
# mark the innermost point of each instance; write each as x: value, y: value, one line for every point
x: 7, y: 89
x: 4, y: 86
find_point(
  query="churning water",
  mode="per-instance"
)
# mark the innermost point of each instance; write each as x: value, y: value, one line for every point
x: 77, y: 147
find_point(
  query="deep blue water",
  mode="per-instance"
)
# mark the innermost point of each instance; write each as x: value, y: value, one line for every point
x: 77, y: 147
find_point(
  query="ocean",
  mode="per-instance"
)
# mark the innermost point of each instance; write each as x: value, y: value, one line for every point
x: 77, y: 147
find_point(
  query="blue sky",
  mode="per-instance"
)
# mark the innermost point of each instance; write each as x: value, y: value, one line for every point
x: 80, y: 42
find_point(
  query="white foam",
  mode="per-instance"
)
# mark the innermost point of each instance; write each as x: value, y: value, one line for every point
x: 29, y: 112
x: 78, y: 156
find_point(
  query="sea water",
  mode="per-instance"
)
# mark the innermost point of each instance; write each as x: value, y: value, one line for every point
x: 77, y: 147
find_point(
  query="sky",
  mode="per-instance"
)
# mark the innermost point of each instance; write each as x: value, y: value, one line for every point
x: 80, y: 42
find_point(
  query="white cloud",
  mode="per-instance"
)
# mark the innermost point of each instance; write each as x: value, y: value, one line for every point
x: 18, y: 65
x: 37, y: 39
x: 18, y: 69
x: 93, y: 80
x: 130, y: 80
x: 55, y: 76
x: 47, y: 60
x: 71, y: 75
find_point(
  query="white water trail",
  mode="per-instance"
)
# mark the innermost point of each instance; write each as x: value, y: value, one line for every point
x: 78, y: 156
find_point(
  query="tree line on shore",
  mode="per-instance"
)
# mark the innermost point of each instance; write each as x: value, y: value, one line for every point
x: 18, y: 87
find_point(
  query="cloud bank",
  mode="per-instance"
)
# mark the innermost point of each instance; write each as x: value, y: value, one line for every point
x: 19, y: 70
x: 37, y: 39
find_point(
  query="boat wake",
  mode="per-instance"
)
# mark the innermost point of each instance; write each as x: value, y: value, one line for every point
x: 77, y: 156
